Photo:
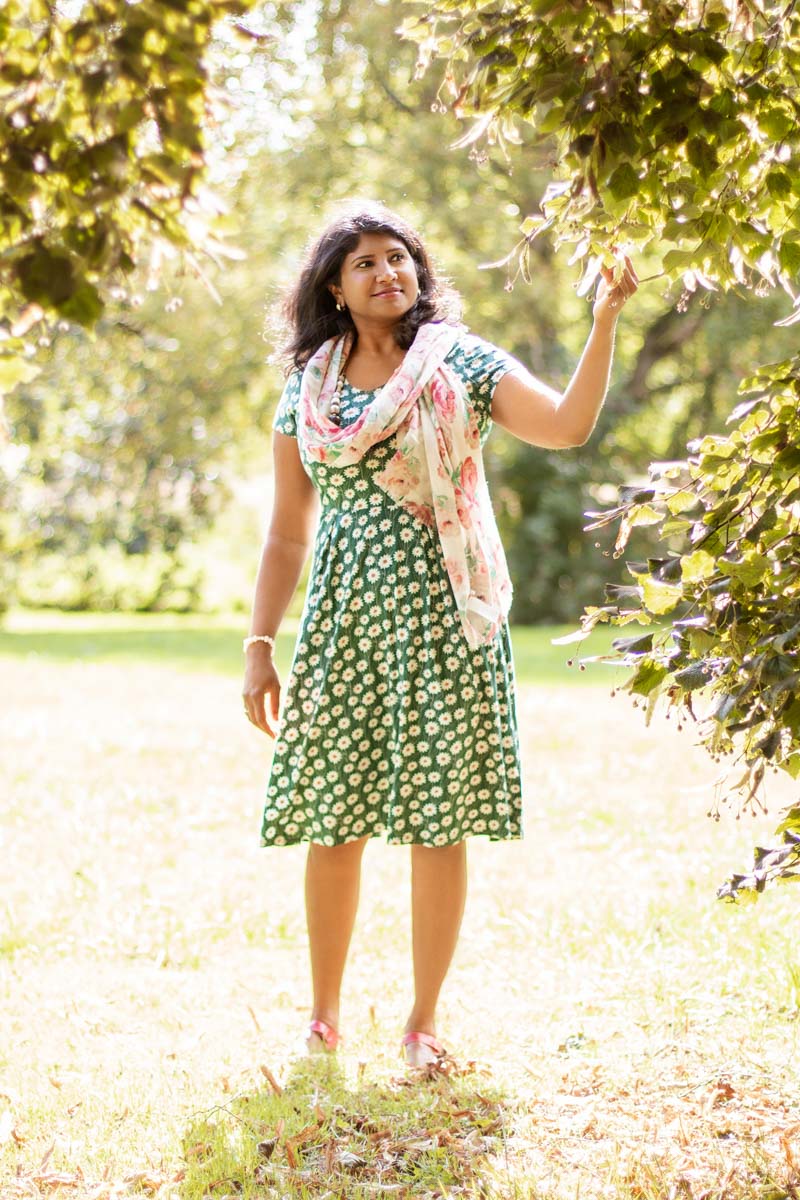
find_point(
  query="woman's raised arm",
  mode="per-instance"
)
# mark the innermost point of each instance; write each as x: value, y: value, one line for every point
x: 537, y: 413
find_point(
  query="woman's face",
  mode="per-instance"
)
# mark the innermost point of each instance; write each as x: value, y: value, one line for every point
x: 378, y: 281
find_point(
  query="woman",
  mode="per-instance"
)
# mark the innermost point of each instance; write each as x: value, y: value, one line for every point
x: 399, y: 712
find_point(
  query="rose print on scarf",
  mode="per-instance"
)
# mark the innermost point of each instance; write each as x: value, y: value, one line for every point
x: 444, y: 446
x: 423, y: 512
x: 444, y: 400
x: 469, y: 478
x: 463, y: 509
x: 473, y: 432
x: 400, y: 470
x: 458, y: 576
x: 425, y: 405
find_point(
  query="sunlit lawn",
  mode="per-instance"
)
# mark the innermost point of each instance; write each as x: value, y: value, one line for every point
x: 204, y: 643
x: 631, y: 1036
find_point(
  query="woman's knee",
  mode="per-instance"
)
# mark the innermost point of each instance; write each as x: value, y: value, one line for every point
x: 455, y: 852
x: 341, y: 855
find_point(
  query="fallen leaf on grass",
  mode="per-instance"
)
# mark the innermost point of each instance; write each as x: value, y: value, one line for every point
x: 199, y: 1151
x: 308, y: 1131
x: 48, y: 1154
x: 57, y: 1179
x: 720, y: 1093
x: 266, y: 1149
x: 350, y: 1160
x: 235, y: 1184
x: 104, y: 1191
x: 379, y: 1135
x: 147, y: 1181
x: 788, y: 1150
x: 271, y: 1080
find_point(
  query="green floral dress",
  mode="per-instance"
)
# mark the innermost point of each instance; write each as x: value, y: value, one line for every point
x: 390, y: 724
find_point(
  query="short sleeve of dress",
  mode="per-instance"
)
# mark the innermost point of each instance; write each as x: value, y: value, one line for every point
x: 481, y: 366
x: 285, y: 418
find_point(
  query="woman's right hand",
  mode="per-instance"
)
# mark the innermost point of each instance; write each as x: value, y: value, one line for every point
x: 261, y: 680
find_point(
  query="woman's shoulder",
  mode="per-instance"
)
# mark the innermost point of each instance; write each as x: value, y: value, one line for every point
x: 291, y: 385
x: 469, y: 342
x: 475, y: 356
x: 285, y: 416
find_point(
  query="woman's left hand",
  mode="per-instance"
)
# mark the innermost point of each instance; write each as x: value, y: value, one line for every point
x: 611, y: 296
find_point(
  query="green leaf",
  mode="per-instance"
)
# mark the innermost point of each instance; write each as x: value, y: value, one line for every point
x: 15, y: 369
x: 678, y: 260
x: 693, y: 677
x: 633, y: 645
x: 84, y: 305
x: 682, y: 501
x: 624, y: 182
x: 698, y: 566
x: 776, y: 122
x: 749, y: 569
x: 789, y: 257
x: 647, y: 678
x: 644, y: 514
x: 702, y: 154
x: 658, y: 597
x: 779, y: 184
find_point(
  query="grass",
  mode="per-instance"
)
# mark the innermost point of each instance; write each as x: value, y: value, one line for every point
x: 213, y: 643
x: 617, y: 1031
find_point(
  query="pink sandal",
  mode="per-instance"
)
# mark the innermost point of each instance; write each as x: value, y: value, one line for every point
x: 322, y: 1037
x: 421, y: 1049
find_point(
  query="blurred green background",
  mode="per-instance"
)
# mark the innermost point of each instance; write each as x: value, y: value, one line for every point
x: 137, y: 474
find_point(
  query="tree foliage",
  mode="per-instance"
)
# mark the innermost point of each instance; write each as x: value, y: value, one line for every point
x: 102, y: 152
x: 671, y: 126
x: 104, y: 158
x: 674, y: 128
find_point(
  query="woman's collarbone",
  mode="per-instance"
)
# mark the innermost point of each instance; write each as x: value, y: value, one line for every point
x: 368, y: 376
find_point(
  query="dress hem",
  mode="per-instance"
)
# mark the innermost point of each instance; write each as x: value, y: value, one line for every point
x: 380, y: 835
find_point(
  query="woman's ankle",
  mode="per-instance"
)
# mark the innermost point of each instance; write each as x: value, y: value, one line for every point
x: 421, y: 1023
x: 326, y: 1013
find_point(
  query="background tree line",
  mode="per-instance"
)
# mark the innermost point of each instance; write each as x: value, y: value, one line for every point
x: 125, y: 446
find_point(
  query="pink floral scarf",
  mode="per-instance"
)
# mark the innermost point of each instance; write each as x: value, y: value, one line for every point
x: 436, y: 472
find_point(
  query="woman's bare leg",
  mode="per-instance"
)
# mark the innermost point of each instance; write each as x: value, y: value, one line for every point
x: 333, y: 875
x: 438, y: 894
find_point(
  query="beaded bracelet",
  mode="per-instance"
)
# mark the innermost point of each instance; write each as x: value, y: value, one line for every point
x: 258, y: 637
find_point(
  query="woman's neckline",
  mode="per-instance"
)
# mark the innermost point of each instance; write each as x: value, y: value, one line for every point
x: 352, y: 387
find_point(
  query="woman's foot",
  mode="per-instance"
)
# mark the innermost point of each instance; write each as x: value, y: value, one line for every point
x: 322, y: 1038
x: 421, y: 1049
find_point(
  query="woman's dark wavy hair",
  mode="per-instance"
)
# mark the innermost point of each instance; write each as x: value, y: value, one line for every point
x: 309, y: 310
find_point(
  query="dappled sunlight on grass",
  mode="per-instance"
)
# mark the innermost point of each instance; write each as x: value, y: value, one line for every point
x: 634, y: 1031
x: 332, y: 1130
